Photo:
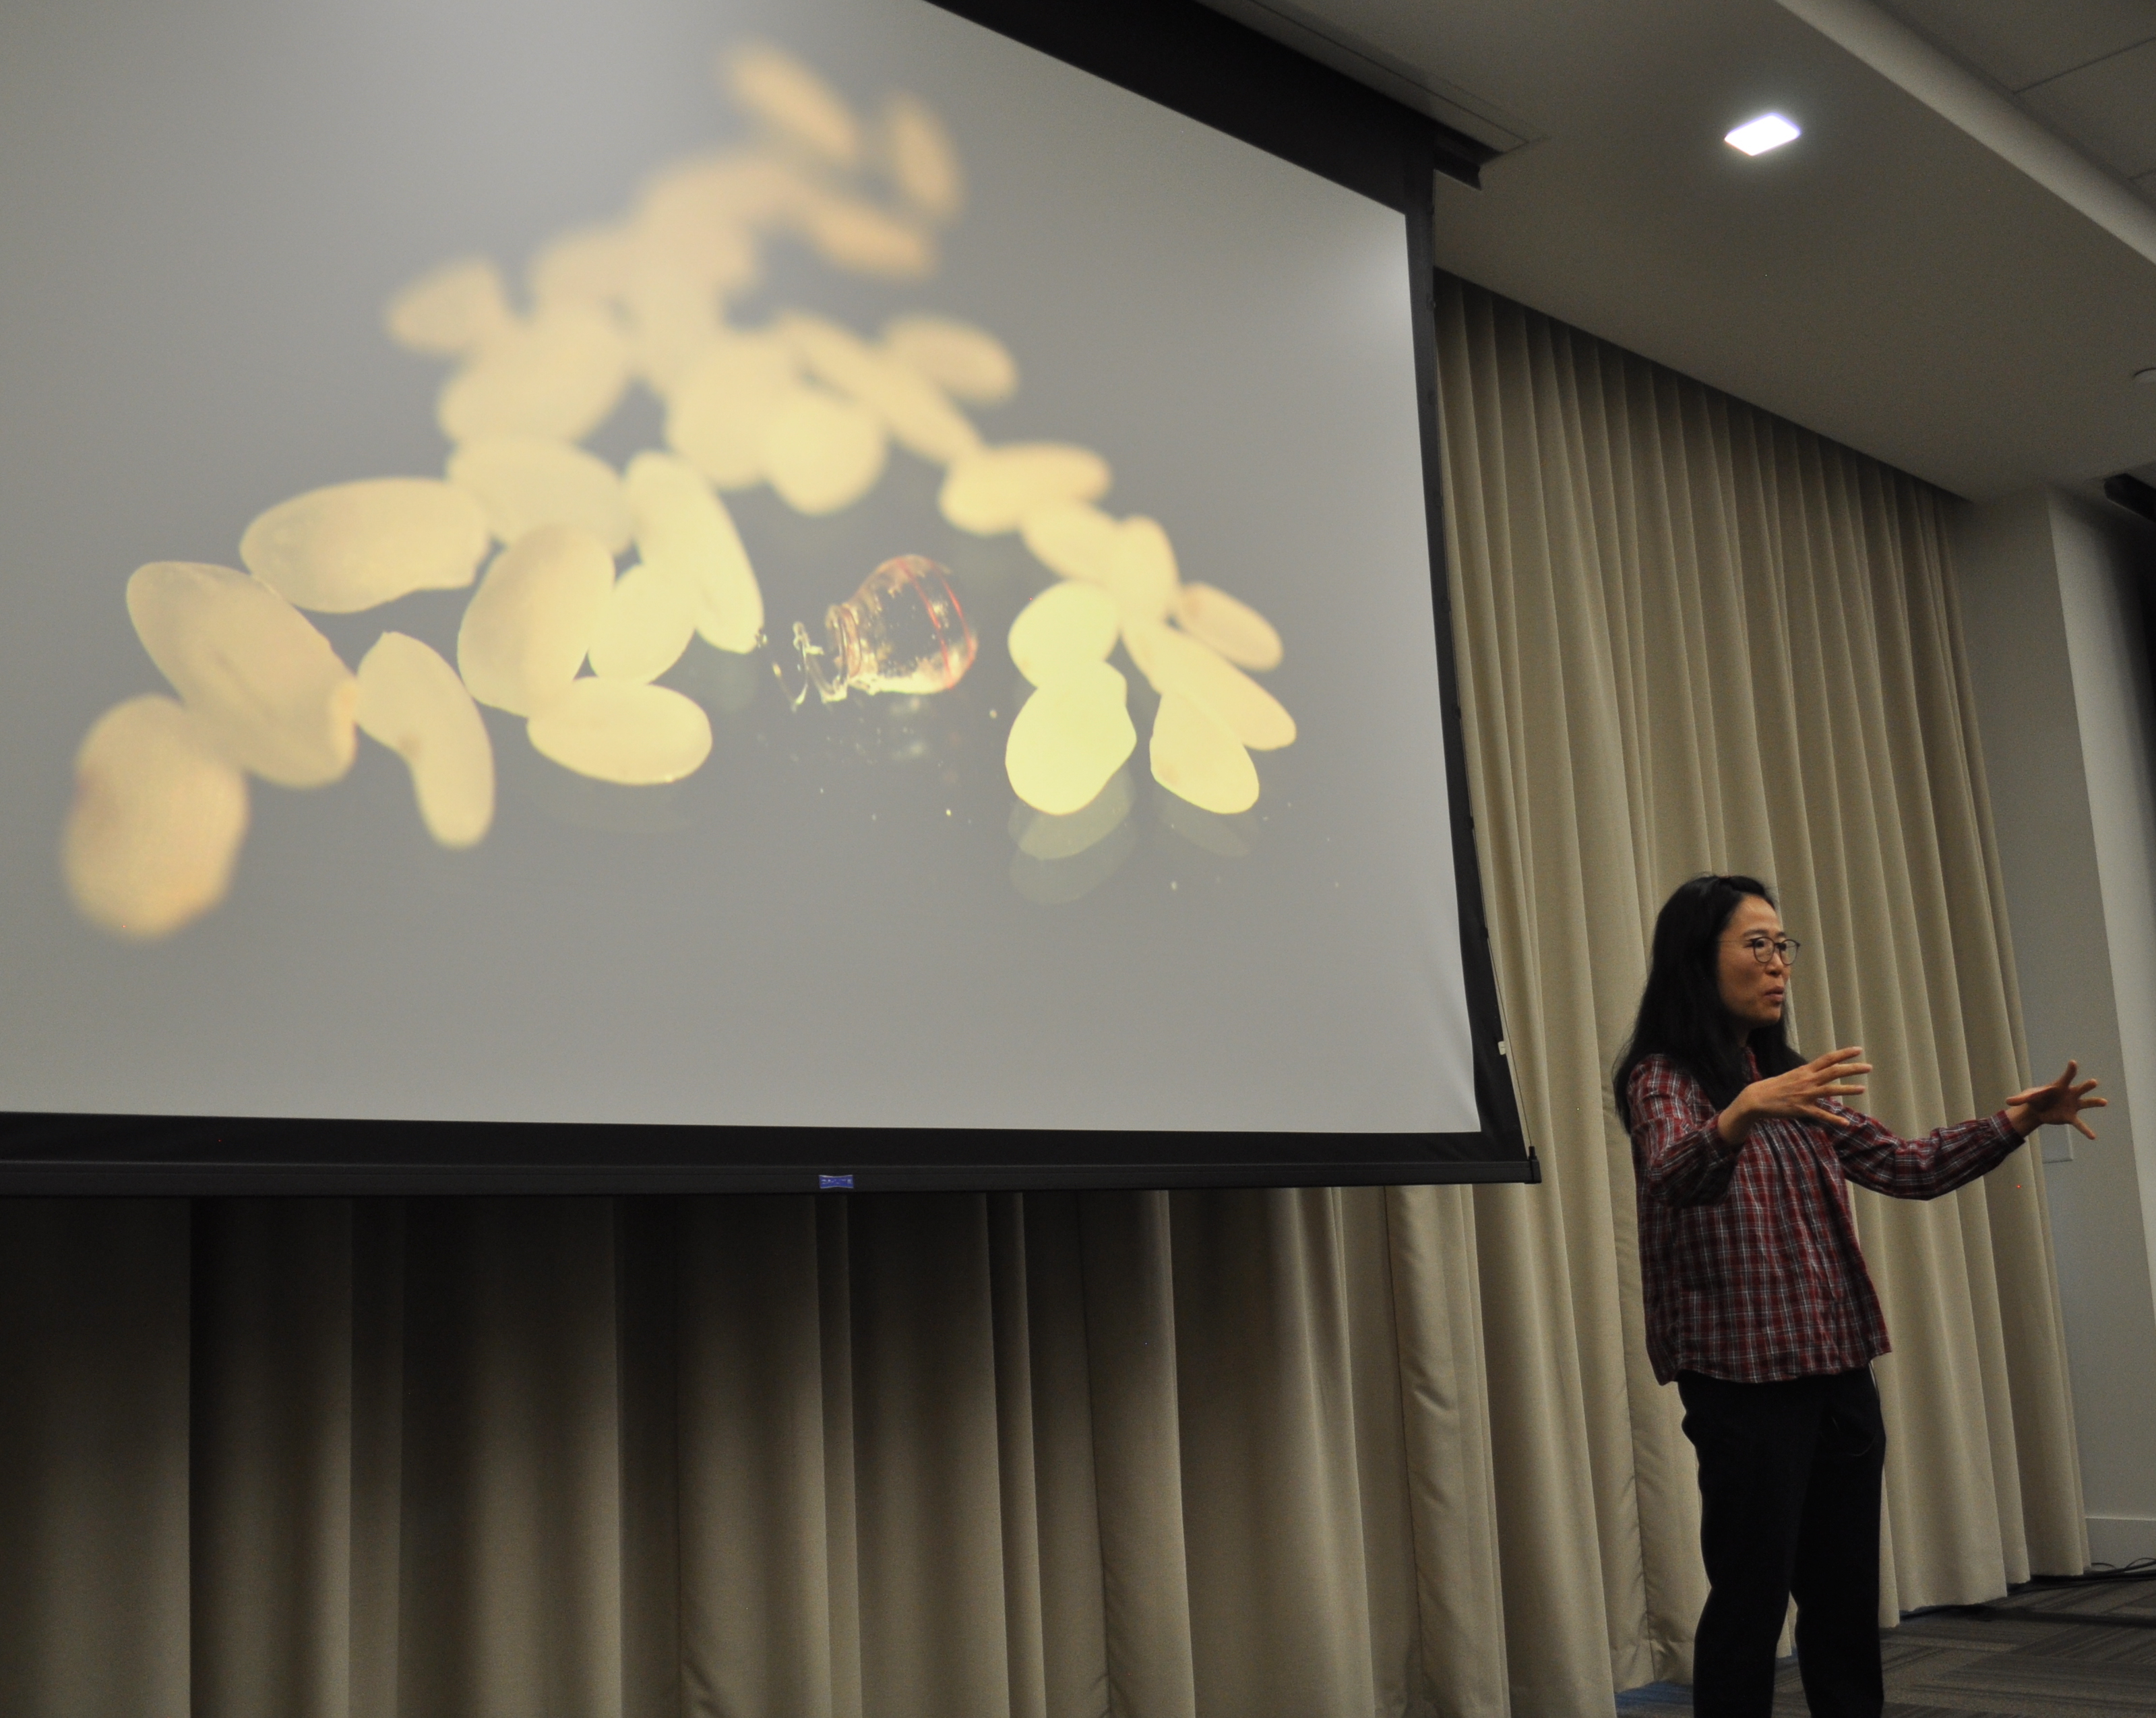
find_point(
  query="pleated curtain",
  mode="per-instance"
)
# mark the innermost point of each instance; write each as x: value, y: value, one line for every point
x: 1052, y: 1456
x: 1693, y: 637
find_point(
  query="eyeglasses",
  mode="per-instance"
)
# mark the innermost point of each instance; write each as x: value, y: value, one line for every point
x: 1767, y: 950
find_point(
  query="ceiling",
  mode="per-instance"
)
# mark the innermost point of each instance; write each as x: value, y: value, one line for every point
x: 1886, y: 280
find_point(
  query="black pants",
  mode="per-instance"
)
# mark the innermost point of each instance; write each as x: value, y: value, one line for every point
x: 1788, y: 1482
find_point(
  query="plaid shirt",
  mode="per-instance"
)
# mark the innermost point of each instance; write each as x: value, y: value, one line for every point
x: 1748, y: 1260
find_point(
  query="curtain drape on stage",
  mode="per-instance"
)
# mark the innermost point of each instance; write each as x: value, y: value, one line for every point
x: 1694, y: 637
x: 1242, y: 1453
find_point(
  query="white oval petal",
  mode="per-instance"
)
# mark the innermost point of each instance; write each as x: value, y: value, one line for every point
x: 1196, y: 758
x: 451, y: 309
x: 356, y: 545
x: 924, y: 163
x: 524, y: 482
x: 787, y: 94
x: 855, y: 235
x: 1175, y: 663
x: 1234, y: 629
x: 559, y: 376
x: 722, y: 407
x: 1069, y: 738
x: 585, y: 266
x: 1142, y: 575
x: 916, y: 411
x: 967, y: 362
x: 1073, y: 538
x: 267, y: 687
x: 529, y: 625
x: 822, y: 454
x: 412, y: 701
x: 993, y: 490
x: 647, y: 624
x: 157, y: 821
x: 1065, y: 627
x: 620, y: 730
x: 684, y: 531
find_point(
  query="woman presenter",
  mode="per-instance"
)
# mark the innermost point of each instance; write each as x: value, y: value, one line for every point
x: 1758, y: 1302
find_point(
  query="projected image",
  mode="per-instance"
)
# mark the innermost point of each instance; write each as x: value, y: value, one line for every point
x: 753, y: 562
x: 588, y: 586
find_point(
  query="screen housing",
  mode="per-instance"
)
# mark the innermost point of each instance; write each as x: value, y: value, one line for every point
x: 1223, y: 75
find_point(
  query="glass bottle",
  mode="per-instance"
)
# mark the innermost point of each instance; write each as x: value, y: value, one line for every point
x: 903, y: 631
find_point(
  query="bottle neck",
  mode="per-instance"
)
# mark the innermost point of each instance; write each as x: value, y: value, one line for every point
x: 829, y: 665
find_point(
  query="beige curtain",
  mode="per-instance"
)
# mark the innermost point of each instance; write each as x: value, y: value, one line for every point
x: 1056, y: 1456
x: 1231, y: 1454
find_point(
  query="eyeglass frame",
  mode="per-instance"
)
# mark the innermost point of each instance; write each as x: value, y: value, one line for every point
x: 1766, y: 953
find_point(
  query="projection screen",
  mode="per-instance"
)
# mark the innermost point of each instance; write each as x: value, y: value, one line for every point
x: 660, y: 595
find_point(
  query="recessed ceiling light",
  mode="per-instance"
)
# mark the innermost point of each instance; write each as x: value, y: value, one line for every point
x: 2147, y: 376
x: 1770, y: 130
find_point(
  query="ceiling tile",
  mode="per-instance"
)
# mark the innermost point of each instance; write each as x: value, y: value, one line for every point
x: 2109, y: 108
x: 2016, y: 44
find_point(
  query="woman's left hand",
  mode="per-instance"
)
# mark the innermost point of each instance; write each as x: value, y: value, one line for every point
x: 2059, y: 1104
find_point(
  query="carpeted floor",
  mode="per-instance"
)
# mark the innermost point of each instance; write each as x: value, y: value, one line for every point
x: 2044, y: 1651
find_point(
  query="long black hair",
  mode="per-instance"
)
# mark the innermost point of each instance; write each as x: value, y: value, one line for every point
x: 1682, y: 1015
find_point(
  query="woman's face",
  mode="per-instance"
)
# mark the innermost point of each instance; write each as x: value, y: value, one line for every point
x: 1753, y: 993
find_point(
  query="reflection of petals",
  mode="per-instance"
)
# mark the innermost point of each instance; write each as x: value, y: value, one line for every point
x: 822, y: 454
x: 1195, y: 757
x: 412, y: 701
x: 788, y: 97
x: 355, y: 546
x: 1228, y: 837
x: 266, y: 686
x: 1042, y: 836
x: 993, y: 490
x: 1174, y: 663
x: 1069, y: 738
x: 529, y: 625
x: 451, y: 309
x: 1058, y: 882
x: 968, y: 363
x: 560, y: 375
x: 924, y: 165
x: 723, y: 404
x: 156, y: 823
x: 1234, y: 629
x: 684, y: 532
x: 524, y: 482
x: 647, y: 624
x: 1065, y: 627
x: 618, y: 730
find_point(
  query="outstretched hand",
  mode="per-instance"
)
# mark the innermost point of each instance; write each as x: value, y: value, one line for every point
x: 1797, y: 1095
x: 2060, y: 1104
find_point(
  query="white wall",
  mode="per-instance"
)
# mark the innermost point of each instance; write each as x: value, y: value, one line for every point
x: 2052, y: 595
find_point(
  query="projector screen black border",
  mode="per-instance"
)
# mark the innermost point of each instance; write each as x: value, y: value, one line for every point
x: 54, y: 1155
x: 1221, y: 73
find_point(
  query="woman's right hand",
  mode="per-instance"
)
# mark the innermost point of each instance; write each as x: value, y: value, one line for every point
x: 1795, y: 1095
